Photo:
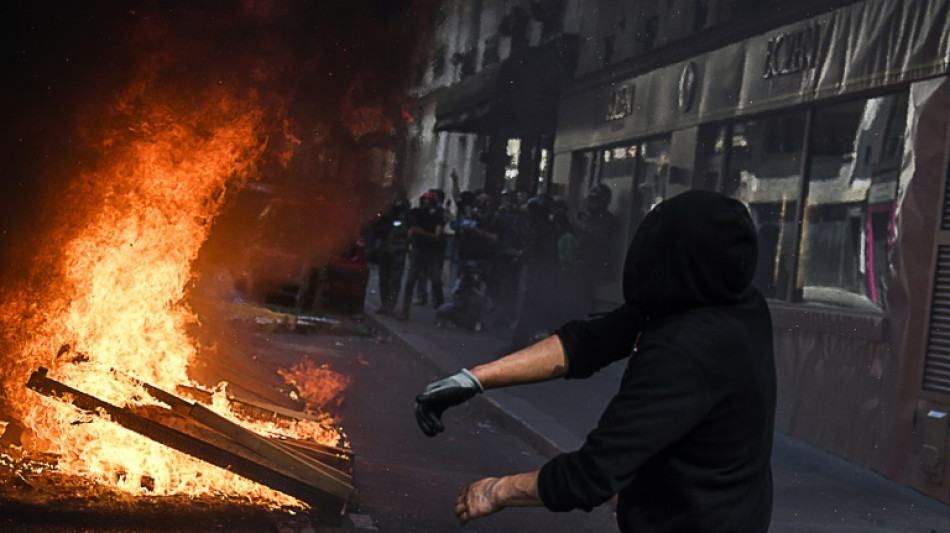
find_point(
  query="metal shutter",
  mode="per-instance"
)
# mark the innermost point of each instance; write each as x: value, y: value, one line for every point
x: 945, y: 214
x: 937, y: 361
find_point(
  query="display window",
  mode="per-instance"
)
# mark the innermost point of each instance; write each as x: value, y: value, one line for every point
x: 764, y: 172
x: 838, y: 247
x: 825, y: 212
x: 638, y: 176
x: 848, y: 223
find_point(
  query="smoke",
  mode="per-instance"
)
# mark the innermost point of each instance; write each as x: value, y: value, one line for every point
x: 326, y: 82
x: 332, y: 74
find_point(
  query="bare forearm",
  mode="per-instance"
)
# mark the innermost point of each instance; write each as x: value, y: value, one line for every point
x: 541, y: 361
x: 490, y: 495
x: 519, y: 490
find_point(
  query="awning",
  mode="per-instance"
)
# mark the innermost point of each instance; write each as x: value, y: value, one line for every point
x: 465, y: 106
x: 514, y: 96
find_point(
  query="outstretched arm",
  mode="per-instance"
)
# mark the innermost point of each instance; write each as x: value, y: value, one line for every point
x: 577, y: 350
x: 539, y: 362
x: 493, y: 494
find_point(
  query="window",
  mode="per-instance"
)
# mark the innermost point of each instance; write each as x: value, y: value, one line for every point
x: 765, y: 174
x: 848, y: 226
x: 700, y: 15
x: 638, y: 176
x: 653, y: 171
x: 839, y: 252
x: 490, y: 55
x: 608, y: 55
x: 438, y: 62
x: 710, y: 149
x: 617, y: 169
x: 513, y: 153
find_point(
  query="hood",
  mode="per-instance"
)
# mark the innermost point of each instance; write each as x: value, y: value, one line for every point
x: 696, y: 249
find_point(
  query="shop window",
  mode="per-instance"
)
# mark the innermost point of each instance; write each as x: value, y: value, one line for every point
x: 617, y: 169
x: 647, y: 37
x: 550, y: 13
x: 544, y: 165
x: 653, y: 171
x: 700, y: 15
x: 764, y: 172
x: 608, y: 55
x: 438, y: 62
x: 710, y: 156
x: 465, y: 62
x: 490, y: 54
x: 848, y: 226
x: 515, y: 26
x: 513, y: 156
x: 638, y: 176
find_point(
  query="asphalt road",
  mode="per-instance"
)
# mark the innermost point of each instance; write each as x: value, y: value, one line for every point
x: 407, y: 482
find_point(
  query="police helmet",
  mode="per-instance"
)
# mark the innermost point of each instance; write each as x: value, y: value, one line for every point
x: 600, y: 191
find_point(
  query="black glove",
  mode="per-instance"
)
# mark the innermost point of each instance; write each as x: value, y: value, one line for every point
x: 442, y: 394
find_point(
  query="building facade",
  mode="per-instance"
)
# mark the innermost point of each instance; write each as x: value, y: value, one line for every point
x: 488, y: 101
x: 831, y: 122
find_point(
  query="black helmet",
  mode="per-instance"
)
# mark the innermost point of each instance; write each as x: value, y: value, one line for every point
x: 537, y: 208
x: 537, y: 202
x: 601, y: 192
x: 400, y: 205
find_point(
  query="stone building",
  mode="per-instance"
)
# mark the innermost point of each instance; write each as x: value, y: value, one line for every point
x: 829, y: 119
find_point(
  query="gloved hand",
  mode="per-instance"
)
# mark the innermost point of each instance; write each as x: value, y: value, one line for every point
x: 442, y: 394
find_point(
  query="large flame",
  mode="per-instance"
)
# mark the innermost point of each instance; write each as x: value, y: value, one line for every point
x: 107, y: 294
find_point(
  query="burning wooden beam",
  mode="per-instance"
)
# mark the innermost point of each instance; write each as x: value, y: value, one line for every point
x: 250, y: 455
x: 326, y: 477
x: 339, y: 458
x: 274, y: 450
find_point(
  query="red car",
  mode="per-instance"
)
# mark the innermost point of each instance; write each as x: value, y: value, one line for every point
x: 275, y: 269
x: 345, y: 279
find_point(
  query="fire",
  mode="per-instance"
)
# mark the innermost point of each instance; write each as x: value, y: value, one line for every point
x: 107, y: 292
x: 321, y: 387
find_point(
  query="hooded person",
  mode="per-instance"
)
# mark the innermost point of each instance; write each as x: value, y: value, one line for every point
x: 686, y: 441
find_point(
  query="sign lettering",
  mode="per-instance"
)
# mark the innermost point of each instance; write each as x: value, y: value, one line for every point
x: 621, y: 102
x: 792, y: 52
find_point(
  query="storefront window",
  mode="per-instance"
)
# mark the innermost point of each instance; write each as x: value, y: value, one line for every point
x: 765, y: 173
x: 617, y: 172
x: 653, y: 172
x: 711, y: 150
x: 513, y: 152
x: 848, y: 226
x: 638, y: 176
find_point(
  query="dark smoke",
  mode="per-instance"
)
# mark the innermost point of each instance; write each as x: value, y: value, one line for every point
x: 334, y: 71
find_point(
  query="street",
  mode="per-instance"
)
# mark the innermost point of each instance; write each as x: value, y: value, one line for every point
x: 407, y: 482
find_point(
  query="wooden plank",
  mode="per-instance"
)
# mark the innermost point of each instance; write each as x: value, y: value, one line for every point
x: 272, y: 410
x: 326, y: 456
x: 343, y: 462
x: 319, y: 475
x: 314, y: 472
x: 339, y: 458
x: 286, y: 482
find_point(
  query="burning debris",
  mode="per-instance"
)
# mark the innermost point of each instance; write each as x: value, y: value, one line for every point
x: 199, y: 432
x: 133, y: 142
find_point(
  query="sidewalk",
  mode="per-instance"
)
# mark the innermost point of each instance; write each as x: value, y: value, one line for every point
x: 815, y: 491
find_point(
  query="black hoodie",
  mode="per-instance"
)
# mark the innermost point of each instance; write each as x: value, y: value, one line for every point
x: 687, y: 439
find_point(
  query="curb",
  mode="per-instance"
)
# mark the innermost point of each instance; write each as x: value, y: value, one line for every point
x: 538, y: 429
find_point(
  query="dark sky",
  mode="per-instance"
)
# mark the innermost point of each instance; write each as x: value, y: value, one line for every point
x: 66, y: 62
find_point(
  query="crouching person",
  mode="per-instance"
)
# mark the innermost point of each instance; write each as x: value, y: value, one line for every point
x: 468, y: 300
